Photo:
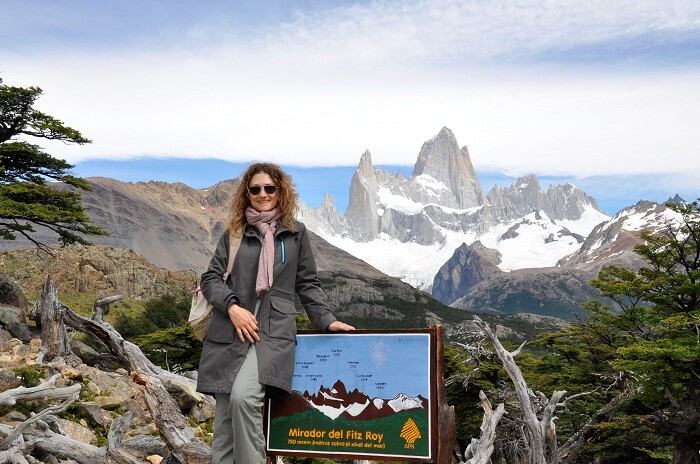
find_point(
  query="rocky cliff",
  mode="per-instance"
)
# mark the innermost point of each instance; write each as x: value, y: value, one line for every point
x: 547, y: 291
x: 468, y: 266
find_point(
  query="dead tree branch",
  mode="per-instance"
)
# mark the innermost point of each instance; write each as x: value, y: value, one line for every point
x: 178, y: 436
x: 541, y: 436
x: 479, y: 450
x: 102, y: 307
x: 117, y: 430
x: 47, y: 390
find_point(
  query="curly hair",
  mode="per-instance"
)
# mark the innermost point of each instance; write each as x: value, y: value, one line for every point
x: 287, y: 199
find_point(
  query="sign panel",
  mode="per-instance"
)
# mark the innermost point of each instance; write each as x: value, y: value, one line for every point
x: 364, y: 394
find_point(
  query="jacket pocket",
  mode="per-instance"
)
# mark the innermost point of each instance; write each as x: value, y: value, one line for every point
x: 220, y: 328
x: 282, y: 322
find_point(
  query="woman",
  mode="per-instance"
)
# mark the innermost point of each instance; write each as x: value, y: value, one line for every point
x: 251, y: 337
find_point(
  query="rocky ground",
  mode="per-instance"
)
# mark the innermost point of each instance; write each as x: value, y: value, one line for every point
x: 81, y: 430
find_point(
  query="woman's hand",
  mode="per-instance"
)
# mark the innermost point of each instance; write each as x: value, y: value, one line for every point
x: 245, y: 324
x: 337, y: 326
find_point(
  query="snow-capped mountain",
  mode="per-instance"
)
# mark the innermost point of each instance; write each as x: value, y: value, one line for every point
x: 409, y: 227
x: 613, y: 241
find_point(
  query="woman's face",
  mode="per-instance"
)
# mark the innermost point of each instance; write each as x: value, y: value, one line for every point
x: 263, y: 201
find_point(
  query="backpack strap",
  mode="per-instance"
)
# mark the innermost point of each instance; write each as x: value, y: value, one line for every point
x: 233, y: 246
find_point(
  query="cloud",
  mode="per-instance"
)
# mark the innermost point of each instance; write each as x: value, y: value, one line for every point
x: 322, y: 87
x: 379, y: 354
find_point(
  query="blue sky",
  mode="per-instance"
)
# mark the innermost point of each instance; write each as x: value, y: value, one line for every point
x: 611, y: 192
x: 599, y: 92
x: 400, y: 362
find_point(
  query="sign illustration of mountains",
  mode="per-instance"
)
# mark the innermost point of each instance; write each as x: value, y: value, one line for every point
x: 365, y: 394
x: 354, y: 405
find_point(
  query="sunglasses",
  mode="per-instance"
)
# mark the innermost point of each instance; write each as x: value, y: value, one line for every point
x: 255, y: 189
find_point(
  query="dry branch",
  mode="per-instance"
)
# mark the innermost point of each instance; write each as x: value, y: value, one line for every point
x: 542, y: 435
x: 102, y: 307
x: 479, y: 450
x: 130, y: 355
x: 171, y: 424
x: 17, y: 431
x: 114, y: 437
x: 48, y: 441
x: 47, y: 390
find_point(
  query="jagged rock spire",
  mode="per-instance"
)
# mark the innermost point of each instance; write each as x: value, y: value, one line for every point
x: 442, y: 159
x: 362, y: 203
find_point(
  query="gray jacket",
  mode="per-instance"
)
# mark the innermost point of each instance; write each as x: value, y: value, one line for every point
x: 294, y: 270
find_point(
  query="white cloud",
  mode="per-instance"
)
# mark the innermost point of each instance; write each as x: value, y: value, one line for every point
x: 379, y: 354
x: 386, y: 76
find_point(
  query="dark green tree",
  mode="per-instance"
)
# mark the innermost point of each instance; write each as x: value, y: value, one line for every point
x: 647, y: 335
x: 174, y: 348
x: 26, y: 199
x: 660, y: 316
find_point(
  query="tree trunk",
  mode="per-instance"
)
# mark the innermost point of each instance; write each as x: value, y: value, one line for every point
x: 541, y: 433
x: 63, y: 447
x: 54, y: 338
x: 46, y: 390
x: 686, y: 449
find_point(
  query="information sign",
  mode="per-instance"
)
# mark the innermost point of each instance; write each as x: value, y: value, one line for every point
x: 358, y: 395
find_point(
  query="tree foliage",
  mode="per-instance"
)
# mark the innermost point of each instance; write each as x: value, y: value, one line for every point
x: 658, y: 313
x: 646, y: 341
x: 26, y: 199
x: 637, y: 354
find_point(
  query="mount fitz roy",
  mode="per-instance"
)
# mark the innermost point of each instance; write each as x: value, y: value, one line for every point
x: 515, y: 249
x: 410, y: 227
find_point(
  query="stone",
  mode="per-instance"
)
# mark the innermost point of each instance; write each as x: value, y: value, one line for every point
x: 5, y: 340
x: 146, y: 429
x: 8, y: 380
x: 13, y: 320
x: 71, y: 373
x: 114, y: 392
x: 362, y: 213
x: 93, y: 388
x: 443, y: 160
x: 202, y: 412
x: 122, y: 371
x: 13, y: 416
x: 468, y: 266
x: 95, y: 413
x: 77, y: 431
x: 154, y: 459
x: 11, y: 294
x: 85, y: 352
x: 145, y: 445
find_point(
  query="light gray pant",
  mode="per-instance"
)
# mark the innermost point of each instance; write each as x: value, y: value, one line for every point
x: 238, y: 423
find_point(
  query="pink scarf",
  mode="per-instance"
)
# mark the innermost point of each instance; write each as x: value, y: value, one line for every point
x: 266, y: 222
